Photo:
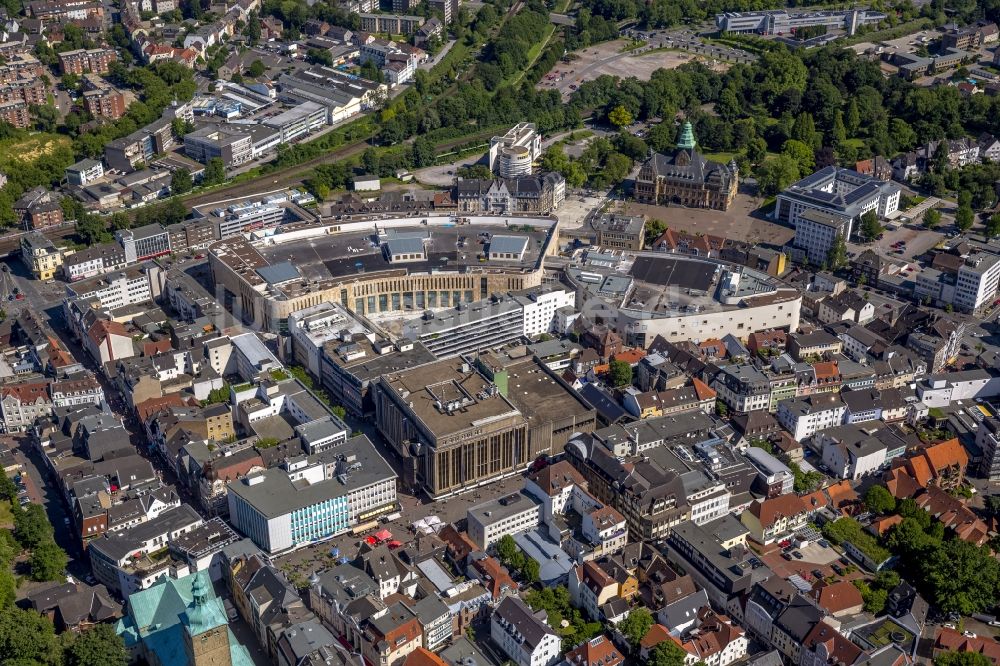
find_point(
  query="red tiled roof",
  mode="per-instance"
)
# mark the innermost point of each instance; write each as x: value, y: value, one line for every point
x: 424, y: 657
x: 553, y: 478
x: 702, y: 389
x: 599, y: 651
x: 839, y: 650
x: 154, y: 347
x: 26, y: 392
x: 496, y: 576
x: 630, y: 356
x: 882, y: 525
x: 951, y: 641
x: 946, y: 454
x: 826, y: 369
x: 837, y: 597
x: 656, y: 635
x: 102, y: 328
x: 149, y: 407
x: 768, y: 511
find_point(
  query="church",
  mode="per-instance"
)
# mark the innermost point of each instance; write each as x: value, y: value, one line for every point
x: 180, y: 622
x: 686, y: 178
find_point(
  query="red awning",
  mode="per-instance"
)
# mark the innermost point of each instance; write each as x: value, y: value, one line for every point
x: 383, y: 535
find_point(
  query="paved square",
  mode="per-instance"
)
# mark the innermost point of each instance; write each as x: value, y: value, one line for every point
x: 735, y: 223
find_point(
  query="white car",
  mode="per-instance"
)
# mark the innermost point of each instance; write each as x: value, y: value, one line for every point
x: 969, y: 634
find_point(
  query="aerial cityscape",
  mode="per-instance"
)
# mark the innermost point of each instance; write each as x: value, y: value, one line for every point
x: 499, y: 333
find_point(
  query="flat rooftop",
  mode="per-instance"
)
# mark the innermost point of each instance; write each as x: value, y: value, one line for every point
x: 276, y: 495
x: 320, y: 259
x: 539, y: 396
x: 430, y: 389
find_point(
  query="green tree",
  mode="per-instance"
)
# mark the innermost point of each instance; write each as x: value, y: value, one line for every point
x: 27, y: 638
x: 97, y: 646
x: 620, y: 116
x: 423, y: 152
x: 621, y: 373
x: 993, y: 225
x: 8, y: 587
x: 636, y: 625
x: 962, y: 577
x: 870, y: 228
x: 932, y: 218
x: 215, y: 172
x: 654, y: 229
x: 339, y: 412
x: 46, y: 117
x: 852, y: 120
x: 874, y: 598
x: 880, y: 501
x: 952, y: 658
x: 256, y: 69
x: 964, y: 218
x: 8, y: 491
x: 666, y: 653
x: 837, y: 256
x: 31, y: 526
x: 775, y: 175
x: 181, y: 182
x: 507, y: 549
x: 48, y: 561
x: 252, y: 30
x: 801, y: 153
x: 531, y: 570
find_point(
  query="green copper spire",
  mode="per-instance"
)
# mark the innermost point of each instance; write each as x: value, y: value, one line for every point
x: 686, y: 142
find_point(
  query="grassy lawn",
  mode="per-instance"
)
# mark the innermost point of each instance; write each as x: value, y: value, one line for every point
x: 854, y: 143
x: 29, y: 149
x: 6, y: 517
x: 722, y: 158
x: 534, y: 52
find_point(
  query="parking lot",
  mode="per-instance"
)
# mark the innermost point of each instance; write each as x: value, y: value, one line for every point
x: 661, y: 51
x: 815, y: 558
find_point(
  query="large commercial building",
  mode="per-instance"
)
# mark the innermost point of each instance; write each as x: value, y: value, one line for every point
x: 525, y: 194
x: 489, y: 323
x: 817, y: 230
x: 837, y: 191
x: 782, y: 22
x: 988, y: 441
x: 686, y: 177
x: 622, y: 232
x: 453, y: 427
x: 152, y: 240
x: 688, y: 298
x: 347, y: 355
x: 232, y: 146
x: 514, y: 153
x: 313, y: 498
x: 301, y: 265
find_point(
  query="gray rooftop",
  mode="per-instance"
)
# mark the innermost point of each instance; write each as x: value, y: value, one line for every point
x: 119, y: 545
x: 276, y: 495
x: 504, y: 244
x: 496, y: 510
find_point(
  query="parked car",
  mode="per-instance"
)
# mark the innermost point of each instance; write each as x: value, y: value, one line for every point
x: 797, y: 555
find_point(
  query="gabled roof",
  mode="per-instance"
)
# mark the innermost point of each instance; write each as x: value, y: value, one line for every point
x: 946, y: 454
x: 839, y: 650
x: 552, y: 479
x: 530, y: 626
x: 770, y: 510
x: 837, y: 597
x: 598, y: 651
